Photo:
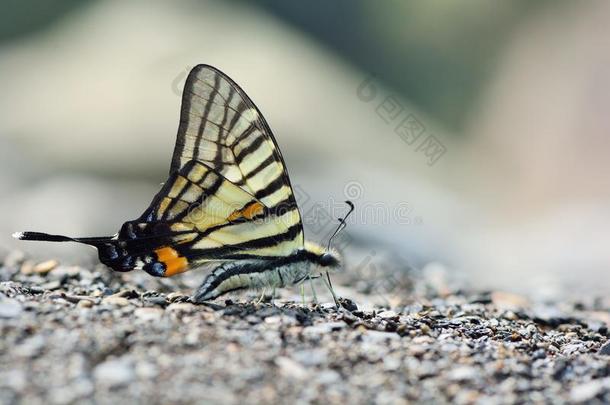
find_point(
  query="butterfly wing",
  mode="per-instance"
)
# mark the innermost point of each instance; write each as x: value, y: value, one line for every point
x: 228, y: 196
x: 221, y: 127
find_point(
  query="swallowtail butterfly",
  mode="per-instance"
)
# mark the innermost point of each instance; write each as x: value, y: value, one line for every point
x: 228, y: 202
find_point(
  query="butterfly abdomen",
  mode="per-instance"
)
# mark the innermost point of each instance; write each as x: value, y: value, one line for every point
x: 257, y: 274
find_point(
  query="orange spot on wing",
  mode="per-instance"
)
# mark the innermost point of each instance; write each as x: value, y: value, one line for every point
x: 174, y: 263
x: 253, y: 210
x: 249, y: 211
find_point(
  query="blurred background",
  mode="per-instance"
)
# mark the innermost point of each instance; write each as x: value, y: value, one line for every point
x: 472, y: 136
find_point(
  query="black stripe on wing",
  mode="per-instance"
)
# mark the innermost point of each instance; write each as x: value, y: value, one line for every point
x: 240, y: 250
x: 221, y: 127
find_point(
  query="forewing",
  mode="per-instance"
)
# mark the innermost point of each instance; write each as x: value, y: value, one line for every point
x: 221, y: 127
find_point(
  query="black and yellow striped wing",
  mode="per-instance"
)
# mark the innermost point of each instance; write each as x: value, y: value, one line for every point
x: 228, y: 196
x: 221, y: 127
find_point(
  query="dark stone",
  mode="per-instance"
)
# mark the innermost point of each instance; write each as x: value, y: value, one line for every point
x: 484, y: 298
x: 161, y: 301
x: 605, y: 349
x: 348, y: 304
x: 391, y: 326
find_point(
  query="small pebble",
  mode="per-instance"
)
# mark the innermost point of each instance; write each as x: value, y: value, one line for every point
x: 175, y: 296
x: 388, y: 315
x: 291, y: 369
x: 85, y: 304
x: 27, y: 267
x: 328, y: 377
x: 605, y: 349
x: 149, y: 313
x: 323, y: 328
x: 181, y: 307
x: 586, y: 392
x: 45, y: 267
x: 161, y: 301
x: 51, y: 285
x: 463, y: 373
x: 114, y: 373
x: 10, y: 308
x: 116, y: 301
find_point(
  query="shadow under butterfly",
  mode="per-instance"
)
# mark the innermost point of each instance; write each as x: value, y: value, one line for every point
x: 228, y: 202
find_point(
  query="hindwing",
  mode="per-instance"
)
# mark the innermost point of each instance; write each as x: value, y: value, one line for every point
x: 198, y: 217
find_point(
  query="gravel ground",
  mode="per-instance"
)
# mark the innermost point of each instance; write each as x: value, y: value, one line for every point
x: 86, y: 335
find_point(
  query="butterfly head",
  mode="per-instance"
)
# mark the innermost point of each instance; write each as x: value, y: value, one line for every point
x: 329, y: 259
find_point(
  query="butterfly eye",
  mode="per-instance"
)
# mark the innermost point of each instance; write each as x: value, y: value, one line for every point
x: 326, y: 260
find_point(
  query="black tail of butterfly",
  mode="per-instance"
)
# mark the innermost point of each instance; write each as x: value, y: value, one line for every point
x: 45, y: 237
x: 133, y: 247
x: 109, y: 249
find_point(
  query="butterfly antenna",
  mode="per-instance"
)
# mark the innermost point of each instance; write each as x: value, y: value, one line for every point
x: 342, y: 223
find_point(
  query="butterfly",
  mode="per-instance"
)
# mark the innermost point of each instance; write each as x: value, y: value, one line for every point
x: 228, y: 202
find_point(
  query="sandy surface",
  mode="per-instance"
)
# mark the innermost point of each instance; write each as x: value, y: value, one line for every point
x: 85, y: 335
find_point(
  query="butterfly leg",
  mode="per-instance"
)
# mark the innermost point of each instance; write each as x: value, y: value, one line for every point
x: 330, y: 288
x: 313, y: 290
x: 262, y: 296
